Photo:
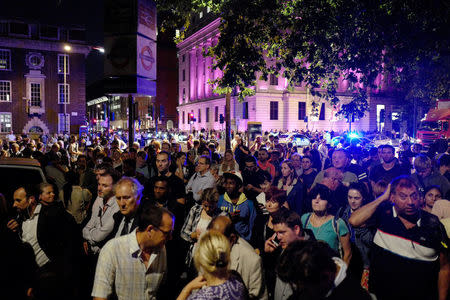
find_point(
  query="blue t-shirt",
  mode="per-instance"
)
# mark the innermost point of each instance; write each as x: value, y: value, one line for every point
x: 326, y: 232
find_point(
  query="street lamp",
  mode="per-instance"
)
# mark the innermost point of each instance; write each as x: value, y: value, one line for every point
x: 67, y: 49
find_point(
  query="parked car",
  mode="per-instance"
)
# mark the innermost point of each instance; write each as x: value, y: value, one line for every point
x: 381, y: 139
x: 284, y: 138
x: 18, y: 171
x: 300, y: 140
x: 362, y: 141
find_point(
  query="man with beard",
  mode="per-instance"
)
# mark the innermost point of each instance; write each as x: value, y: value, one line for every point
x: 409, y: 258
x: 389, y: 168
x: 105, y: 206
x: 263, y: 162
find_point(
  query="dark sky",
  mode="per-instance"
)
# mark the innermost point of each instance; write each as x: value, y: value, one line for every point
x: 86, y: 13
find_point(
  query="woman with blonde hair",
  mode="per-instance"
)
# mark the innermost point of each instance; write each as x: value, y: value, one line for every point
x: 228, y: 163
x: 212, y: 260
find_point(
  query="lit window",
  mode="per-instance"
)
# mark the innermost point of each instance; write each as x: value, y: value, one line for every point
x: 61, y: 59
x: 5, y: 60
x: 63, y: 93
x: 61, y: 127
x: 5, y: 90
x: 5, y: 122
x: 35, y: 93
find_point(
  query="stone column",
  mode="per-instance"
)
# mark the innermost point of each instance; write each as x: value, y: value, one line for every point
x: 208, y: 71
x: 192, y: 75
x: 200, y: 71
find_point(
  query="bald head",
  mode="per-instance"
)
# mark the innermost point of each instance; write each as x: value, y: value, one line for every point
x: 223, y: 225
x: 332, y: 177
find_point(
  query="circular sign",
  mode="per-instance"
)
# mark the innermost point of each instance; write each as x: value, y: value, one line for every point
x: 147, y: 59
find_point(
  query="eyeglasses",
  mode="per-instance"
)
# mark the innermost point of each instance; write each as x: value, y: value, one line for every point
x: 165, y: 233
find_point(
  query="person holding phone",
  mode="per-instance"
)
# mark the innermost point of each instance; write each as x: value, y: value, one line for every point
x: 264, y: 230
x: 288, y: 228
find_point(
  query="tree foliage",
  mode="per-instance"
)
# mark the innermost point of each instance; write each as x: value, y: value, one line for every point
x: 317, y: 41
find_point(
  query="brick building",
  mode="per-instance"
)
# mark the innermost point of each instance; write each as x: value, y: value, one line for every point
x: 34, y: 65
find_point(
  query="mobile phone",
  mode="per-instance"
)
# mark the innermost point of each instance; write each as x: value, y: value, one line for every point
x: 276, y: 241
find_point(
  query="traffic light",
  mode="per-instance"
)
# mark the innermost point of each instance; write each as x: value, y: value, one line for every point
x: 191, y: 118
x: 221, y: 119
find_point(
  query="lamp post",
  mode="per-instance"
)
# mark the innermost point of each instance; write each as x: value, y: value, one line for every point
x: 67, y: 49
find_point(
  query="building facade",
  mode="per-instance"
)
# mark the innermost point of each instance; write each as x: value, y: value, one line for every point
x: 273, y: 104
x: 42, y: 81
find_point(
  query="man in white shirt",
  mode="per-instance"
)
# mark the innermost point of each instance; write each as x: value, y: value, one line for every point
x: 105, y: 206
x: 133, y: 266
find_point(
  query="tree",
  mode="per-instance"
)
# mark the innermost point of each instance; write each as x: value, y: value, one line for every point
x: 318, y: 41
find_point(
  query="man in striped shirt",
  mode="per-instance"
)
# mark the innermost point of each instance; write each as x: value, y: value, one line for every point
x: 409, y: 258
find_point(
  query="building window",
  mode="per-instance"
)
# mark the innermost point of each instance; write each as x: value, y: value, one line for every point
x: 274, y: 110
x: 183, y: 58
x: 61, y: 58
x: 216, y: 114
x: 301, y: 110
x: 5, y: 90
x: 63, y: 93
x: 184, y: 94
x: 17, y: 28
x: 35, y: 94
x: 5, y: 122
x: 199, y: 115
x: 3, y: 28
x: 184, y: 75
x: 182, y: 122
x: 207, y: 115
x: 273, y: 79
x: 322, y: 112
x: 5, y: 60
x: 61, y: 127
x: 77, y: 35
x: 48, y: 32
x: 245, y: 110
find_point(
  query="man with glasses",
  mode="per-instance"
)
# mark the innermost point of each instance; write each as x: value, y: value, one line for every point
x: 133, y: 266
x: 409, y: 259
x: 202, y: 179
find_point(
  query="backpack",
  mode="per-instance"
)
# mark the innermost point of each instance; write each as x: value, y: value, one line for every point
x: 335, y: 225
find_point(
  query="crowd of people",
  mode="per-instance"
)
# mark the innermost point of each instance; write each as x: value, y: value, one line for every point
x: 263, y: 221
